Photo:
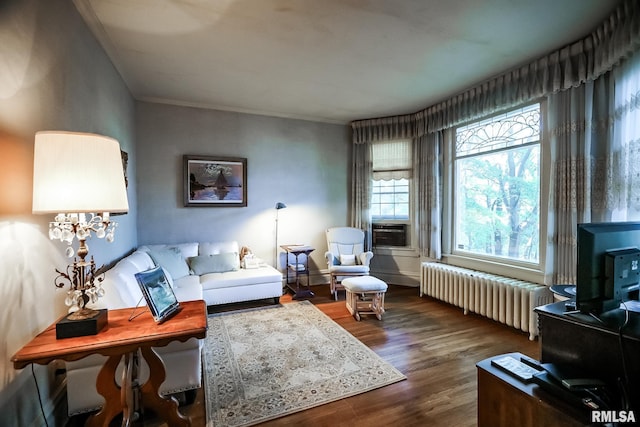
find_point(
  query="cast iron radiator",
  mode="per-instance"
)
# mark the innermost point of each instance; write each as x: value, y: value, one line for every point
x: 506, y: 300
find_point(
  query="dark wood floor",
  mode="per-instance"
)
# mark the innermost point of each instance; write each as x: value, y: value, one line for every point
x: 434, y: 344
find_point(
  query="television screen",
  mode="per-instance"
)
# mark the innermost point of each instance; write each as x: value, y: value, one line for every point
x: 608, y: 269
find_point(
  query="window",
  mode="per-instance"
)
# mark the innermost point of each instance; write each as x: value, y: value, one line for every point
x: 390, y: 199
x: 392, y: 167
x: 496, y: 185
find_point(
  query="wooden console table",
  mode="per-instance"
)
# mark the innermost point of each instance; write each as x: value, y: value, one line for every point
x: 122, y: 338
x: 297, y: 250
x: 593, y: 346
x: 505, y: 401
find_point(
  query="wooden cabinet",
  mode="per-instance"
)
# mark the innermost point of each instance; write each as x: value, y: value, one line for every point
x: 506, y: 401
x: 594, y: 346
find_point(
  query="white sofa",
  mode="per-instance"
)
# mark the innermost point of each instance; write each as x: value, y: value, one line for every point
x: 209, y: 271
x: 228, y: 283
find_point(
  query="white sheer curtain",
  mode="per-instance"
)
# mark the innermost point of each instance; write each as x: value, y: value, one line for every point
x: 428, y: 167
x: 626, y: 137
x: 570, y: 190
x: 595, y: 150
x: 361, y: 190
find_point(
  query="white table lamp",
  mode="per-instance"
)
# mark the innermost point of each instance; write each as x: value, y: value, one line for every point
x: 80, y: 178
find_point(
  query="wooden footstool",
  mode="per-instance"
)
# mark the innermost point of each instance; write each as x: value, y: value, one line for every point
x: 365, y: 295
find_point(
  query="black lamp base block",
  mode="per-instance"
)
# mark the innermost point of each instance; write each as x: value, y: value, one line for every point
x: 89, y: 324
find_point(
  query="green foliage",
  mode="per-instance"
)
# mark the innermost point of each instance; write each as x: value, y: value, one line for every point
x: 498, y: 203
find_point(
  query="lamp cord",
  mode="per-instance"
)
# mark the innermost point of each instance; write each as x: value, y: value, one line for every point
x: 35, y: 380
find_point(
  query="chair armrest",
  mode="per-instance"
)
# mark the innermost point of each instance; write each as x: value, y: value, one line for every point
x: 365, y: 257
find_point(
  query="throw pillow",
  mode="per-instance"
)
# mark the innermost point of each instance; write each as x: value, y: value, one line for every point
x: 347, y: 259
x: 218, y: 263
x: 171, y: 260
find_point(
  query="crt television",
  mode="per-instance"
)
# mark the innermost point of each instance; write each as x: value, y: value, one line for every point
x: 608, y: 265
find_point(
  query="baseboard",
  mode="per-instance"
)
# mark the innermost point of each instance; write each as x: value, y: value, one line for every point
x: 20, y: 405
x: 402, y: 278
x: 56, y: 409
x: 408, y: 279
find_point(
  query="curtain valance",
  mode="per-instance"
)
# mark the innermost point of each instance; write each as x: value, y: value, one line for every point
x: 587, y: 59
x: 384, y: 129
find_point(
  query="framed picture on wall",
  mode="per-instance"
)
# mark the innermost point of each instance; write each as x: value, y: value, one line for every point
x: 215, y: 181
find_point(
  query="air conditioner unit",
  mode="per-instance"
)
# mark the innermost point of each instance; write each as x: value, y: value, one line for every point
x: 389, y: 234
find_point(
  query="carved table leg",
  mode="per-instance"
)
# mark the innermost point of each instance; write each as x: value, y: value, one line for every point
x: 165, y: 407
x: 126, y: 390
x: 108, y: 388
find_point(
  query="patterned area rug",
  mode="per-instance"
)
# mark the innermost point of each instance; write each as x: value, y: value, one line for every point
x: 265, y: 363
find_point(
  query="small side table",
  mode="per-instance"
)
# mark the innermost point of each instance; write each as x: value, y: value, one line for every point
x: 122, y: 338
x: 297, y: 250
x: 563, y: 292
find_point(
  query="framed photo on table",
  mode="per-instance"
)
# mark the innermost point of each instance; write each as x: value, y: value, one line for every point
x: 158, y: 293
x: 215, y: 181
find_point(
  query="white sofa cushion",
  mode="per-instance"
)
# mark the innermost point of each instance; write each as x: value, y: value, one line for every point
x: 186, y: 249
x: 217, y: 263
x: 212, y: 248
x: 188, y: 288
x: 216, y: 248
x: 123, y: 278
x: 171, y: 260
x: 242, y: 277
x: 141, y: 260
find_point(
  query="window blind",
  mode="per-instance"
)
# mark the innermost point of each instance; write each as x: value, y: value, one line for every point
x: 391, y: 160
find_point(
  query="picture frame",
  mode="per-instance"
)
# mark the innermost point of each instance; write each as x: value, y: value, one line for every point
x: 212, y: 181
x: 125, y: 165
x: 158, y: 293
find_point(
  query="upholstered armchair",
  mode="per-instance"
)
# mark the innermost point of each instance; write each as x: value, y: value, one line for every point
x: 346, y: 255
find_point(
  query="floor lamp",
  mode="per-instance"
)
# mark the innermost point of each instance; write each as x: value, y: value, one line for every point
x: 279, y: 206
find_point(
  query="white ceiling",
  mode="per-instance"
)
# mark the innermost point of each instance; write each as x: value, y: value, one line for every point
x: 327, y: 60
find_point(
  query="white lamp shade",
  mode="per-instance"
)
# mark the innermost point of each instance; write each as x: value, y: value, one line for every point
x: 77, y: 172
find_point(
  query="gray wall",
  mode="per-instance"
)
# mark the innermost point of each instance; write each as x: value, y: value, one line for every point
x: 53, y: 76
x: 303, y: 164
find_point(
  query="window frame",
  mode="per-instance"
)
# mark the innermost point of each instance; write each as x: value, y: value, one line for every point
x: 409, y: 222
x: 394, y: 219
x: 523, y: 270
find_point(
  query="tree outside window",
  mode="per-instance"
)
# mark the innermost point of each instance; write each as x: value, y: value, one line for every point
x: 497, y: 186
